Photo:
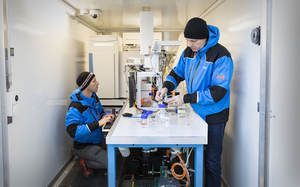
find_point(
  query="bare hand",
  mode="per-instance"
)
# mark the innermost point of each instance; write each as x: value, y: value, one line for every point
x: 112, y: 116
x: 178, y: 100
x: 105, y: 119
x: 160, y: 94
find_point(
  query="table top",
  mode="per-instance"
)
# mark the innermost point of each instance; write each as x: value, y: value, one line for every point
x: 190, y: 130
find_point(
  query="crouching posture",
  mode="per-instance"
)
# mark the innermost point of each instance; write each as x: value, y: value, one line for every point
x: 84, y: 121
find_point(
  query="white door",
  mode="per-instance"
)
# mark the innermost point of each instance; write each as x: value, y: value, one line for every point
x: 284, y: 164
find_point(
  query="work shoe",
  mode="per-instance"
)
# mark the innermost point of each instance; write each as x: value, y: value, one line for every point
x: 85, y: 171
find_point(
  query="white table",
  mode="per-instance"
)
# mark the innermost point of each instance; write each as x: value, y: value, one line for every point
x: 126, y: 132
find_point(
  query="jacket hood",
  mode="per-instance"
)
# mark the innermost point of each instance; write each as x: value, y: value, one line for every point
x: 213, y: 39
x: 75, y: 97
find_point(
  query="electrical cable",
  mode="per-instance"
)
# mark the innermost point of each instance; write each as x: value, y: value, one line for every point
x: 185, y: 171
x: 187, y: 159
x: 168, y: 67
x: 151, y: 57
x: 173, y: 60
x: 137, y: 107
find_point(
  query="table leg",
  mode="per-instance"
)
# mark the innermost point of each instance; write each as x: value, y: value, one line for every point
x: 199, y: 165
x: 111, y: 165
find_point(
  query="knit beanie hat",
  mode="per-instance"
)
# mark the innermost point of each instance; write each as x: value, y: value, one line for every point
x: 84, y: 79
x: 196, y: 28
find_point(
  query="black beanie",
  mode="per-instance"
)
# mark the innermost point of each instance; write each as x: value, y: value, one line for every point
x: 196, y: 28
x: 84, y: 79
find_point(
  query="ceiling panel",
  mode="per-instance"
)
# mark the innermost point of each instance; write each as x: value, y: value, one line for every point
x: 125, y: 14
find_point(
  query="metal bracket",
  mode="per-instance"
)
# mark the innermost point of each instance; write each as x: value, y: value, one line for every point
x: 271, y: 115
x: 262, y: 108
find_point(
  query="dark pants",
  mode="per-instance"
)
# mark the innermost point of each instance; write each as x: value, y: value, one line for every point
x: 212, y: 155
x: 94, y: 156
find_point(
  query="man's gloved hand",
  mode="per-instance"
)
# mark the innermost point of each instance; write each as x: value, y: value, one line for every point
x: 178, y: 100
x: 160, y: 94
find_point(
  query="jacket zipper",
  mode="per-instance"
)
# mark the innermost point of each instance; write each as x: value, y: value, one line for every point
x: 94, y: 116
x: 96, y: 110
x: 190, y: 73
x: 194, y: 75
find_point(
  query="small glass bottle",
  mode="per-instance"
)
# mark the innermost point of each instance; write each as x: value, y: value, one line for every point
x: 144, y: 122
x: 151, y: 118
x: 181, y: 111
x: 172, y: 113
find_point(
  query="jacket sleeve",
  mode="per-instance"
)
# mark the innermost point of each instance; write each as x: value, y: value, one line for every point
x: 220, y: 81
x: 75, y: 125
x: 176, y: 75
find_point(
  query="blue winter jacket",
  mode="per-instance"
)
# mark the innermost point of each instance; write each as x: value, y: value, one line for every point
x: 82, y: 120
x: 207, y: 73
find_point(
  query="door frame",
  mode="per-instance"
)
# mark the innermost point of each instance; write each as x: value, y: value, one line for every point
x: 264, y: 104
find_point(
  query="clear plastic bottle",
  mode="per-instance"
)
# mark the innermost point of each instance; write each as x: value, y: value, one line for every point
x: 144, y: 122
x: 162, y: 118
x: 181, y: 111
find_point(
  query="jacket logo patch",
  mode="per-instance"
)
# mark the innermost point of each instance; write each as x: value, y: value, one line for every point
x: 221, y: 76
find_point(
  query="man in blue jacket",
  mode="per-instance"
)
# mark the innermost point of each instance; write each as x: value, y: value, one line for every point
x: 84, y: 121
x: 207, y: 68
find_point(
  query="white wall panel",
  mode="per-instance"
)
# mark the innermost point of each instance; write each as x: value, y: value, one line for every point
x: 284, y: 166
x: 236, y: 19
x: 50, y: 51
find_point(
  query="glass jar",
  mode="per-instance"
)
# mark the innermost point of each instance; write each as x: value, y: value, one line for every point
x: 181, y: 111
x: 144, y: 122
x: 151, y: 118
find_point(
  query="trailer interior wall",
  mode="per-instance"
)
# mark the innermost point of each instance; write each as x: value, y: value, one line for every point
x: 4, y: 174
x: 284, y: 165
x: 50, y: 51
x: 236, y: 19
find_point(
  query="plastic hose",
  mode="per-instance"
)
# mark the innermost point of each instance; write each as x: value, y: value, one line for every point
x: 184, y: 174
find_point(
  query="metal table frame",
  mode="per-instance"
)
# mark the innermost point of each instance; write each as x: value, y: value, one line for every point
x: 111, y: 149
x: 115, y: 139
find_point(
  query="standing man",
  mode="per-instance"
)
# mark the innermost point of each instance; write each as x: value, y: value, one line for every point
x: 84, y: 121
x: 207, y: 68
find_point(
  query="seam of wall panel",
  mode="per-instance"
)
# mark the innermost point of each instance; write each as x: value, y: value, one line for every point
x: 211, y: 8
x: 4, y: 173
x: 7, y: 47
x: 264, y: 95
